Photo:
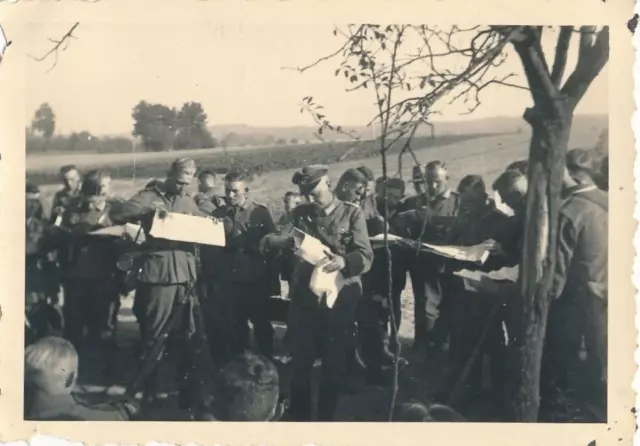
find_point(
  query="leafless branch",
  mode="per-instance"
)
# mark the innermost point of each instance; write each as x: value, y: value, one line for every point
x: 560, y: 61
x: 58, y: 44
x: 592, y: 57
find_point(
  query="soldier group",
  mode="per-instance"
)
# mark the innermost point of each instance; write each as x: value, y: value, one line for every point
x: 226, y: 288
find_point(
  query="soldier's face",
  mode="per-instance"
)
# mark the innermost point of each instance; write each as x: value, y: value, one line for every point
x: 437, y: 181
x: 71, y: 179
x: 206, y: 183
x: 320, y: 195
x: 420, y: 187
x: 394, y: 197
x: 236, y: 192
x: 179, y: 181
x: 353, y: 192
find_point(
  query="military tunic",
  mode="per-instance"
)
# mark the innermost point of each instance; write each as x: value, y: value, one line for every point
x: 167, y: 273
x: 239, y: 281
x: 315, y: 330
x: 430, y: 224
x: 374, y: 316
x: 578, y: 314
x: 208, y: 202
x: 88, y: 266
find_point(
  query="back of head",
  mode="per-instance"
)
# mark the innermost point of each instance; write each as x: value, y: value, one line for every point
x: 521, y: 165
x: 581, y: 164
x: 411, y: 412
x: 246, y: 389
x: 51, y: 364
x: 511, y: 180
x: 366, y: 172
x: 475, y: 182
x: 93, y: 183
x: 417, y: 412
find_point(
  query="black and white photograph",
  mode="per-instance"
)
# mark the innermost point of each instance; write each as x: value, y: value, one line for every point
x: 315, y: 222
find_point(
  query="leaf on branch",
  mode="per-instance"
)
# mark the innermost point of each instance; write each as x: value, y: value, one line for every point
x: 320, y: 131
x: 319, y: 116
x: 346, y: 74
x: 380, y: 102
x: 337, y: 71
x: 353, y: 78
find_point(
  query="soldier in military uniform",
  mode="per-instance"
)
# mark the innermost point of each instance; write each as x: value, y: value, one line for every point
x: 51, y: 371
x: 207, y: 199
x: 430, y: 225
x: 71, y: 181
x: 238, y: 278
x: 316, y: 329
x: 88, y: 265
x: 420, y: 199
x: 374, y: 315
x: 167, y: 273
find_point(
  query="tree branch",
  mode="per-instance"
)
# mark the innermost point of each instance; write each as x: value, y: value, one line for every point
x: 592, y: 58
x: 560, y: 61
x: 64, y: 40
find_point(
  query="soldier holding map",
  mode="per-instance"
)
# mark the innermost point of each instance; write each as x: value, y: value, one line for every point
x: 167, y: 271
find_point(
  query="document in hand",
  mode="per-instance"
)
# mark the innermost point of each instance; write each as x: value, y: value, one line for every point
x: 491, y: 282
x: 188, y: 228
x: 120, y: 230
x: 313, y: 251
x: 476, y: 253
x: 378, y: 240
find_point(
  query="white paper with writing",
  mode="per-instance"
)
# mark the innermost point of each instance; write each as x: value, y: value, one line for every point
x: 189, y: 229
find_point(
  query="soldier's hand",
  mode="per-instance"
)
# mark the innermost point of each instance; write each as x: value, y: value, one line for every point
x: 333, y: 263
x: 493, y: 247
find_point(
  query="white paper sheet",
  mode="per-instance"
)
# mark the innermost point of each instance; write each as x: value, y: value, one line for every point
x: 120, y: 230
x: 309, y: 248
x: 188, y: 228
x: 324, y: 284
x: 476, y: 253
x: 313, y: 251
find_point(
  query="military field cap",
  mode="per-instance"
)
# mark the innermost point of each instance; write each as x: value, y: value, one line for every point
x: 310, y: 175
x: 32, y: 190
x: 184, y: 169
x: 366, y: 172
x: 580, y: 159
x: 392, y: 183
x: 417, y: 176
x: 353, y: 175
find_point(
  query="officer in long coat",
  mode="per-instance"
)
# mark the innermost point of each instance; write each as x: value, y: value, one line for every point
x: 167, y: 273
x: 237, y: 276
x: 317, y: 330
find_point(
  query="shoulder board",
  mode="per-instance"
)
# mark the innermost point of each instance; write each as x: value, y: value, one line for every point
x: 348, y: 203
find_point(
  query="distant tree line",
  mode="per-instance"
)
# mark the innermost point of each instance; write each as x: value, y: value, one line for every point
x: 156, y: 127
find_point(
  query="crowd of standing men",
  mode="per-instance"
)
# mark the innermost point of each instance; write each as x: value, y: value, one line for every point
x: 225, y: 288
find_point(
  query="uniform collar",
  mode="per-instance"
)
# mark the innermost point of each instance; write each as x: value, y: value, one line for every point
x: 332, y: 206
x: 443, y: 196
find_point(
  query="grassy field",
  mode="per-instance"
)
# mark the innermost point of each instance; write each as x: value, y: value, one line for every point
x: 484, y: 155
x: 257, y: 161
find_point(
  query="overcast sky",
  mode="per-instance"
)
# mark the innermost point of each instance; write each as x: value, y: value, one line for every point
x: 235, y: 71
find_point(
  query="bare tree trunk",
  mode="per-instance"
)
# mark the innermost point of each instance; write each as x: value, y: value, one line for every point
x: 546, y: 164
